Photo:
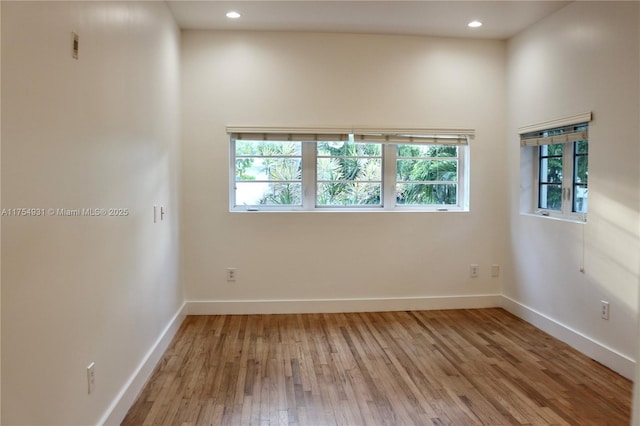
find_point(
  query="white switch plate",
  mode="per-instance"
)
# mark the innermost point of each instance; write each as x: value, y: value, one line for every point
x: 604, y: 309
x: 91, y: 377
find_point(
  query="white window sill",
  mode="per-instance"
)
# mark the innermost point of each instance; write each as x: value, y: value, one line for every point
x: 551, y: 216
x: 352, y: 210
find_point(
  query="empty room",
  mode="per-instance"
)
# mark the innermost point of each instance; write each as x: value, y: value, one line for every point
x: 319, y: 212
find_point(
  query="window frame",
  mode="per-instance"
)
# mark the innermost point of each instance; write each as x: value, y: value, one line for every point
x: 568, y: 183
x: 388, y: 182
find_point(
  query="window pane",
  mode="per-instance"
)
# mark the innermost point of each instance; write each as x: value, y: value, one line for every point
x: 581, y: 169
x: 349, y: 193
x: 346, y: 149
x: 582, y: 147
x: 550, y: 197
x: 268, y: 148
x: 269, y: 168
x: 421, y: 194
x: 355, y: 169
x: 426, y: 151
x: 555, y: 149
x: 580, y: 198
x: 551, y: 170
x: 263, y: 193
x: 427, y: 170
x: 412, y: 151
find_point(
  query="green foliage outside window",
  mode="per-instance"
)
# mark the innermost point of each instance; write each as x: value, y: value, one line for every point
x: 347, y: 173
x: 551, y: 168
x: 273, y: 170
x: 426, y: 174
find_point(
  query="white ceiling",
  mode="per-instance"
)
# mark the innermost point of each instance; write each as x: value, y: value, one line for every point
x: 502, y: 19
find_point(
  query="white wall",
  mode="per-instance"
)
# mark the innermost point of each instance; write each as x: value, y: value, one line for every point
x: 98, y: 132
x: 0, y: 220
x: 635, y: 415
x: 299, y: 79
x: 582, y: 58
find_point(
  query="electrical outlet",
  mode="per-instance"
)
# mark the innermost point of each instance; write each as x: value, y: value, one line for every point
x: 604, y: 309
x: 231, y: 274
x: 474, y: 270
x: 91, y: 377
x: 495, y: 270
x: 75, y: 45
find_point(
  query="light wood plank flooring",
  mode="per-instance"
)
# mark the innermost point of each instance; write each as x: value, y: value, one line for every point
x: 457, y: 367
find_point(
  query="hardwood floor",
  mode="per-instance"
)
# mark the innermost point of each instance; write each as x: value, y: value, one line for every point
x: 457, y: 367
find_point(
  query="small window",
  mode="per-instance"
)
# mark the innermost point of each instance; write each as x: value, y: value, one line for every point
x: 338, y: 171
x: 561, y: 175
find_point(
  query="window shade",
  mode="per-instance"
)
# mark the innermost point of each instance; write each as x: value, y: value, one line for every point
x: 387, y: 136
x: 562, y: 130
x: 569, y: 136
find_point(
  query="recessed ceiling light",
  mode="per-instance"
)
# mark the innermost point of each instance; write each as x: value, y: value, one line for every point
x: 474, y: 24
x: 233, y: 15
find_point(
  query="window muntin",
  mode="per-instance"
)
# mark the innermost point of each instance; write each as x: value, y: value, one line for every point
x: 268, y: 173
x: 427, y: 175
x: 370, y: 171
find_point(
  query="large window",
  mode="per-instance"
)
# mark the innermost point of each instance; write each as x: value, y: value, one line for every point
x: 287, y: 171
x: 561, y: 176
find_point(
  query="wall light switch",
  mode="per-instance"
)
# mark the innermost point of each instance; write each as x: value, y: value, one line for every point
x: 91, y: 377
x: 604, y: 310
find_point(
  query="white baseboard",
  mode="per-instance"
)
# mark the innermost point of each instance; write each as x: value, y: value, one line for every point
x: 306, y: 306
x: 616, y: 361
x: 130, y: 391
